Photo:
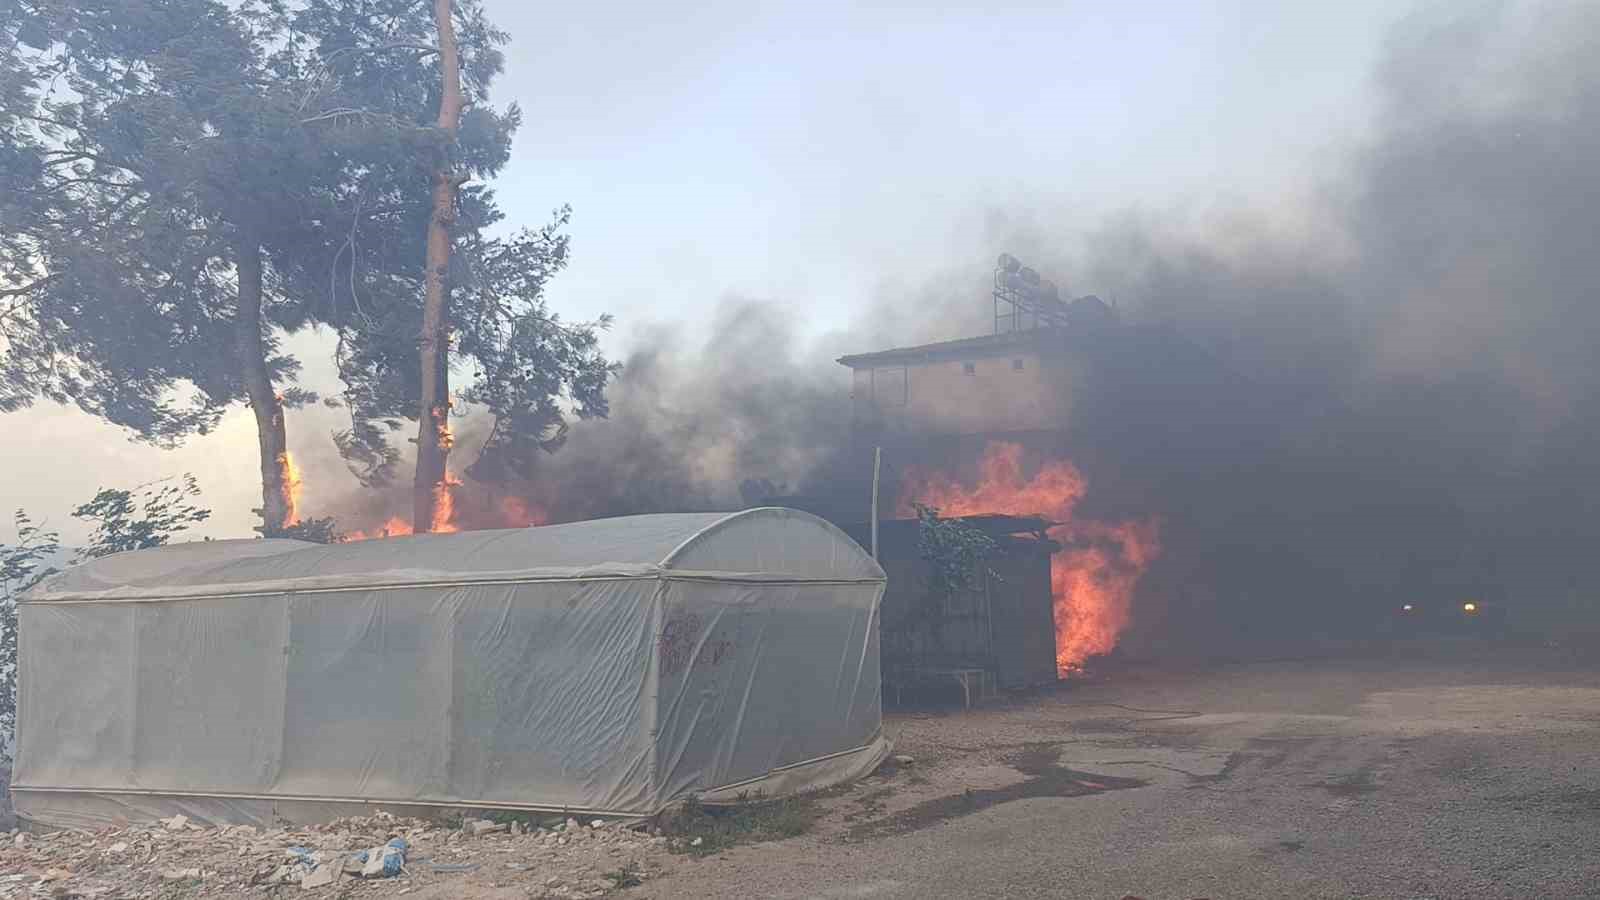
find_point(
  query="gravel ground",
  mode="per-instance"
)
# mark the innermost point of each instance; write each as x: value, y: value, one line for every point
x: 1447, y: 771
x: 180, y: 859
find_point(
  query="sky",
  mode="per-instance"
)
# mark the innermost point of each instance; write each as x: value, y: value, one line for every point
x: 826, y: 157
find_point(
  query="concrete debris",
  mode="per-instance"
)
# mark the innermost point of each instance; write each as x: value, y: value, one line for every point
x: 903, y: 760
x: 176, y: 858
x: 321, y: 876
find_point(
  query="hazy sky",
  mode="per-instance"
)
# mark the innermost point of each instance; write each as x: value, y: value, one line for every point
x: 822, y: 155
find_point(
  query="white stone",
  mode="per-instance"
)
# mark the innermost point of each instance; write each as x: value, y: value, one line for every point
x: 320, y: 876
x: 176, y: 823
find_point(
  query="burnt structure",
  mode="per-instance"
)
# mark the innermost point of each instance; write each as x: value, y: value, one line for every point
x: 938, y: 406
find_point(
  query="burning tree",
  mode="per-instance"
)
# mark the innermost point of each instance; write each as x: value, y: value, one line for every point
x: 185, y: 181
x: 414, y: 286
x: 159, y: 160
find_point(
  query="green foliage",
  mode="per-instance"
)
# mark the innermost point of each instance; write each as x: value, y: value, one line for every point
x: 955, y: 552
x: 22, y: 565
x: 530, y: 370
x: 316, y: 531
x: 144, y: 144
x: 750, y: 821
x: 144, y: 136
x: 147, y: 516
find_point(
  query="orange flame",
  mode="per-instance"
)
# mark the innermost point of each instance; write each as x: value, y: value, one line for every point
x: 507, y: 512
x: 444, y: 505
x: 1091, y: 579
x: 289, y: 477
x: 394, y: 527
x: 518, y: 513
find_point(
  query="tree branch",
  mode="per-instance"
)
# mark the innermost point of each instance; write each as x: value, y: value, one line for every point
x: 382, y: 48
x: 29, y: 287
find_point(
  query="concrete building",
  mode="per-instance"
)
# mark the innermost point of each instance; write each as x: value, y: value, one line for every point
x: 940, y: 403
x: 997, y: 385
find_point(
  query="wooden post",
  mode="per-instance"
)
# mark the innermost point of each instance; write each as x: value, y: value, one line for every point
x: 877, y: 461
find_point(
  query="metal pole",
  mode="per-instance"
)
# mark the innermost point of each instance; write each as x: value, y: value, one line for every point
x: 877, y: 461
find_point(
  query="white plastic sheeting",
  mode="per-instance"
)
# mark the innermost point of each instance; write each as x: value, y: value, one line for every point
x: 610, y: 667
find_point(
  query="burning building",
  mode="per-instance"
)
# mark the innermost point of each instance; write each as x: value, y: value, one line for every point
x: 982, y: 427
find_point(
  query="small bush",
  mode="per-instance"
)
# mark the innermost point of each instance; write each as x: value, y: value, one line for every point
x: 750, y: 821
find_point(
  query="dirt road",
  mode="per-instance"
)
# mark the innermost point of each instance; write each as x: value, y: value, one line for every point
x: 1460, y: 773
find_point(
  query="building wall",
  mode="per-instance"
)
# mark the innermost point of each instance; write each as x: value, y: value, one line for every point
x: 1020, y: 391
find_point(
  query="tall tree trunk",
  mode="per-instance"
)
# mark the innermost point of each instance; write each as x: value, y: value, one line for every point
x: 433, y: 416
x: 277, y: 503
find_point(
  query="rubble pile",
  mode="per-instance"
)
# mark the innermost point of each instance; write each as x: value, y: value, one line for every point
x: 377, y: 856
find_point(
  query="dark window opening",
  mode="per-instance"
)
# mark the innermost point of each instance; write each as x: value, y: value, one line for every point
x: 1016, y: 364
x: 969, y: 368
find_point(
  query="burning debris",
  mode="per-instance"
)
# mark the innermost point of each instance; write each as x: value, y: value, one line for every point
x: 1092, y: 578
x: 463, y: 506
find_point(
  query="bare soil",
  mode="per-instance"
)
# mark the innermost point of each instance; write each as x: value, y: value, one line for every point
x: 1451, y: 769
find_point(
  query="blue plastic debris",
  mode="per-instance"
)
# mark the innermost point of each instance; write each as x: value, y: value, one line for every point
x: 383, y: 862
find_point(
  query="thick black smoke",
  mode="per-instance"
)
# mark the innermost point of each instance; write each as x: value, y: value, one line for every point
x: 704, y: 420
x: 1393, y: 398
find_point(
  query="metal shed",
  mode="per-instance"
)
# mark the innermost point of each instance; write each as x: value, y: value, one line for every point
x: 1005, y: 628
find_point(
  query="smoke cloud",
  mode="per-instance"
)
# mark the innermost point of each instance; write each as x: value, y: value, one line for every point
x: 1387, y: 395
x: 1382, y: 390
